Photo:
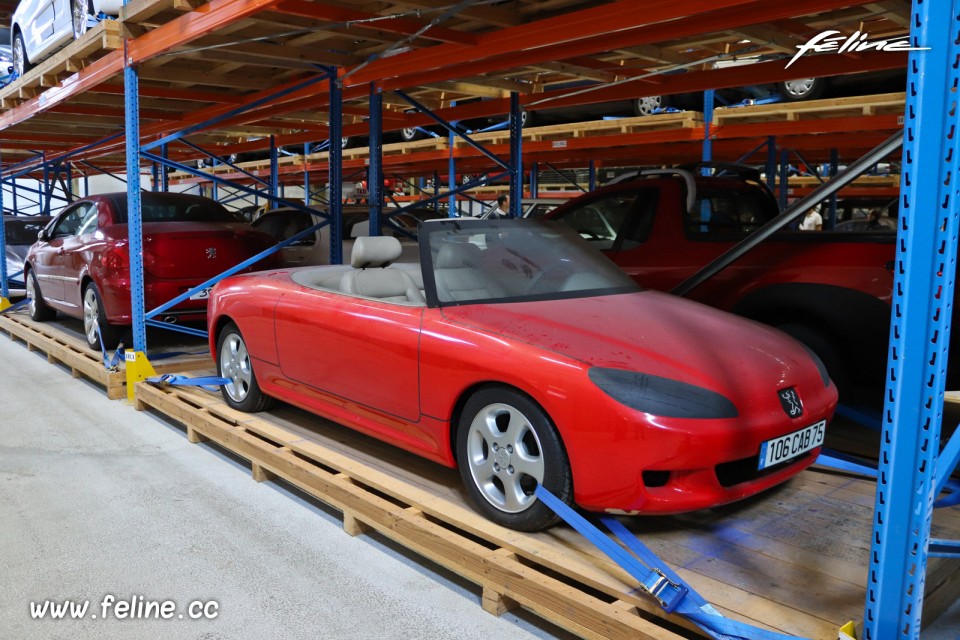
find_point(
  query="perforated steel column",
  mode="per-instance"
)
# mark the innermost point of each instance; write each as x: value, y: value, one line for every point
x: 4, y: 289
x: 922, y: 306
x: 707, y: 152
x: 336, y: 170
x: 375, y: 170
x: 516, y: 156
x: 131, y: 92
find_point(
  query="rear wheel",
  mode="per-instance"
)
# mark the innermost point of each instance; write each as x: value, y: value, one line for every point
x: 802, y: 89
x: 506, y: 446
x: 95, y: 321
x: 242, y: 392
x: 39, y: 310
x: 648, y: 105
x: 409, y: 134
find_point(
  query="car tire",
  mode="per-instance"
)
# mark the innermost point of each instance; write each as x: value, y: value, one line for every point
x: 95, y: 320
x: 233, y: 362
x: 802, y: 89
x: 39, y: 310
x: 21, y: 64
x: 506, y: 446
x: 79, y: 16
x: 409, y: 134
x: 823, y: 347
x: 648, y: 105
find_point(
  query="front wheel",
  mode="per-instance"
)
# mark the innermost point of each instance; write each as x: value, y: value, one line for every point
x: 242, y: 391
x: 39, y: 310
x: 649, y: 105
x: 95, y: 321
x: 80, y: 14
x: 21, y: 64
x: 409, y: 134
x: 506, y: 446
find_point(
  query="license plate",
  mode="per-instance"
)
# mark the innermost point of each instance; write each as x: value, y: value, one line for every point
x: 201, y: 295
x: 792, y: 445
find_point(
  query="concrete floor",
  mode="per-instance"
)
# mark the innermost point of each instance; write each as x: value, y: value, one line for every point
x: 98, y: 499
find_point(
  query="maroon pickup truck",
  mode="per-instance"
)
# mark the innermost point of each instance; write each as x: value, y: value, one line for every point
x: 829, y: 289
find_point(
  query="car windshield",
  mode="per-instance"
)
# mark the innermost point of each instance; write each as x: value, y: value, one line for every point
x: 468, y: 261
x: 175, y: 207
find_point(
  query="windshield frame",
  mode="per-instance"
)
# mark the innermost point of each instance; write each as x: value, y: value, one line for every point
x: 566, y: 250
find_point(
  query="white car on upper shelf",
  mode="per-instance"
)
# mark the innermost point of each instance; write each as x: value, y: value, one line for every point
x: 41, y: 27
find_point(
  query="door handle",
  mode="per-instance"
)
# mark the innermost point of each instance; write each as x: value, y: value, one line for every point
x: 60, y: 251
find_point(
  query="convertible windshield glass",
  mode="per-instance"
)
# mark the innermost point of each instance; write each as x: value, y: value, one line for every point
x: 512, y: 261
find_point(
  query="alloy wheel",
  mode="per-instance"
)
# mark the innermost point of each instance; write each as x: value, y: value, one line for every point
x: 235, y: 366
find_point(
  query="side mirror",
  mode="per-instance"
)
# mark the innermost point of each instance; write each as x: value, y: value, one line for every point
x: 42, y: 235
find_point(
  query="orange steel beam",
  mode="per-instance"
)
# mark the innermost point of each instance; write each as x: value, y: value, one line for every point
x: 199, y: 22
x: 813, y: 126
x: 586, y: 24
x: 171, y: 93
x: 623, y: 24
x: 403, y: 26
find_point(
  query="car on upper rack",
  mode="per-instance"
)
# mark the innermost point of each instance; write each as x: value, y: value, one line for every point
x: 518, y: 353
x: 19, y: 233
x: 80, y: 263
x: 41, y: 27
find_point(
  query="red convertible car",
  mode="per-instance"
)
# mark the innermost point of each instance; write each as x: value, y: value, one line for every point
x: 520, y: 354
x: 80, y: 264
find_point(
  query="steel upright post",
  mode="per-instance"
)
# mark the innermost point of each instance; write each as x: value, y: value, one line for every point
x: 834, y: 167
x: 4, y: 288
x: 516, y: 156
x: 784, y: 186
x: 164, y: 174
x: 535, y: 180
x: 706, y: 153
x: 375, y: 170
x: 592, y: 176
x: 134, y: 212
x: 451, y: 175
x: 274, y: 172
x: 772, y: 162
x: 336, y: 170
x: 924, y: 276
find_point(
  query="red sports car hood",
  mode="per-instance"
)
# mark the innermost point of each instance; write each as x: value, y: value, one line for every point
x: 653, y: 333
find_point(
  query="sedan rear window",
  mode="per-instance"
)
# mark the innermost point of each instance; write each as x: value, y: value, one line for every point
x: 178, y: 208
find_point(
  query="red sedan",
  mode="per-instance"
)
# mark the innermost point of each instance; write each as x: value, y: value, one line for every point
x: 520, y: 354
x: 80, y: 265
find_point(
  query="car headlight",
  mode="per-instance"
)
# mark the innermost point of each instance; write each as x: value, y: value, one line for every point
x: 661, y: 396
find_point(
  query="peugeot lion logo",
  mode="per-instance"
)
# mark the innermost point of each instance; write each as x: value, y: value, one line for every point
x: 211, y: 253
x: 791, y: 402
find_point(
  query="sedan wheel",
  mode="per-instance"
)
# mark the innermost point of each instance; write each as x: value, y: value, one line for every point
x: 37, y: 306
x: 410, y: 134
x: 506, y: 446
x: 233, y: 363
x: 647, y: 105
x: 20, y: 63
x: 95, y: 326
x: 80, y: 14
x: 802, y: 89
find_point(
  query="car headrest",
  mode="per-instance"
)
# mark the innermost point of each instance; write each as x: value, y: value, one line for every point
x: 457, y: 255
x: 374, y: 251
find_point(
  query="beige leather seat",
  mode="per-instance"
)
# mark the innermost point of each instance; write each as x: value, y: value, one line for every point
x: 458, y: 277
x: 371, y: 279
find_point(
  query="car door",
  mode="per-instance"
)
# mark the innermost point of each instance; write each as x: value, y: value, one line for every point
x: 74, y: 253
x: 363, y: 351
x: 39, y: 23
x: 48, y: 261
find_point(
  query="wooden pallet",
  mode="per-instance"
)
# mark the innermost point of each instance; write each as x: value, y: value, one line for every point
x: 881, y: 104
x: 792, y: 560
x: 74, y: 353
x: 105, y: 37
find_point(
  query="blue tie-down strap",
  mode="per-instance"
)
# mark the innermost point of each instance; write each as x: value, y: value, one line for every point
x: 662, y: 583
x: 110, y: 363
x: 207, y: 383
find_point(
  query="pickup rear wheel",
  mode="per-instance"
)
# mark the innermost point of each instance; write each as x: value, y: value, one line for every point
x: 823, y: 347
x: 242, y: 392
x: 506, y: 446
